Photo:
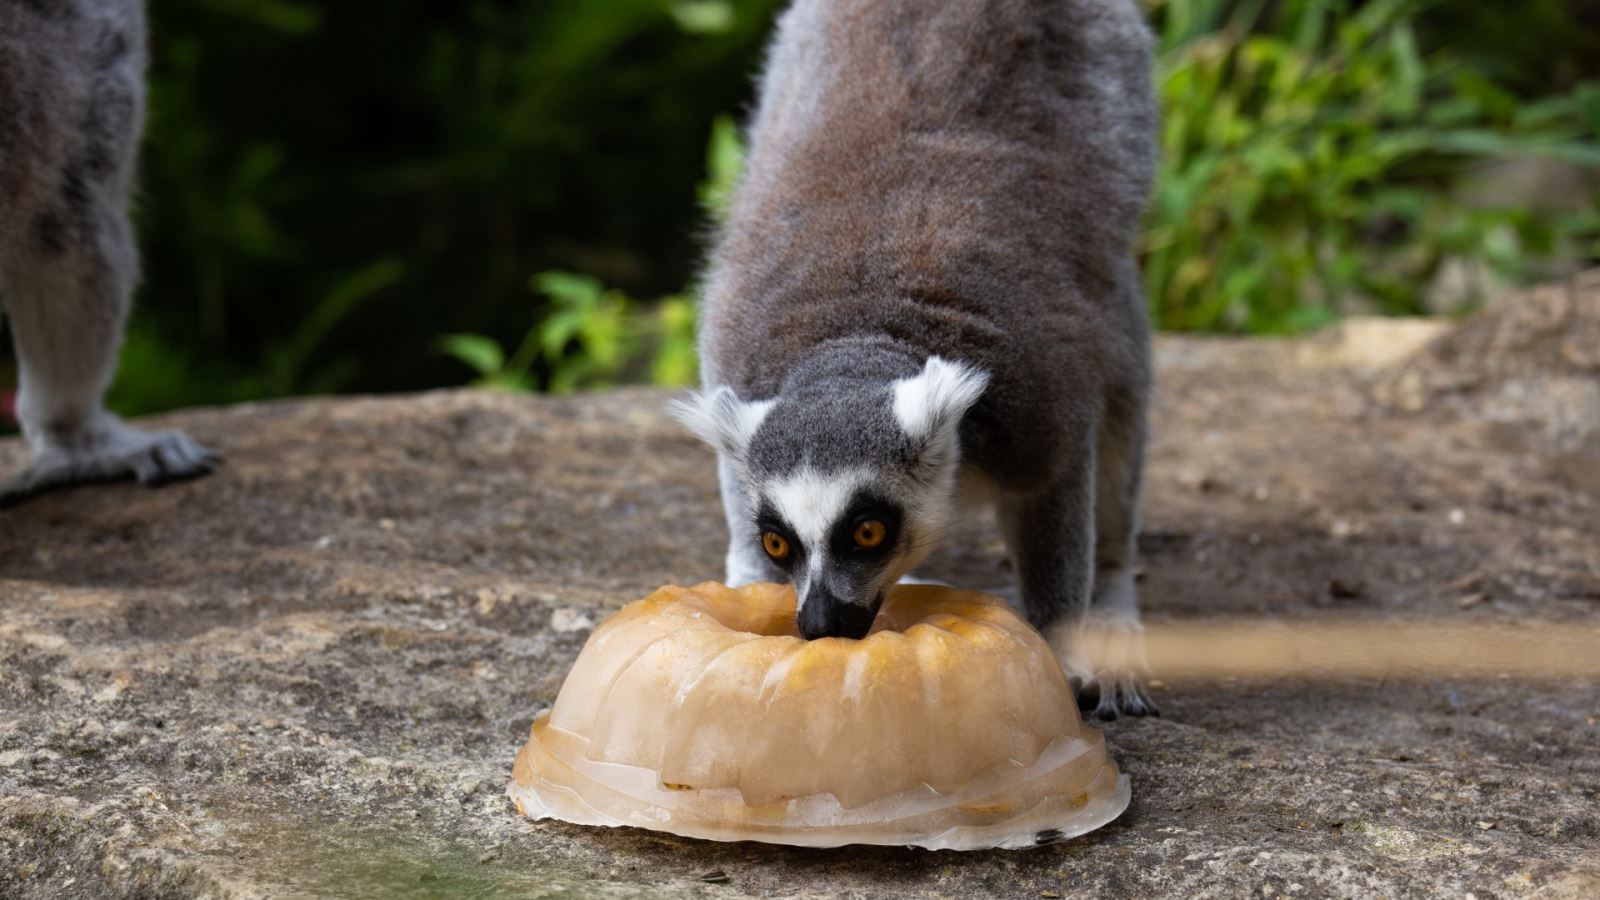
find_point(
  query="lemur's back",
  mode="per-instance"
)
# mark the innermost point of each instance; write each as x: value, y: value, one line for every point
x: 965, y: 177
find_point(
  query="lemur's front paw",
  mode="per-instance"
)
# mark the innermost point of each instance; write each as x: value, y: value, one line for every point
x: 112, y: 451
x: 1104, y: 659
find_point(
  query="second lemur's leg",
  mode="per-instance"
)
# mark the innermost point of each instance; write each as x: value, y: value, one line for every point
x: 67, y: 270
x: 65, y: 306
x: 1056, y: 537
x: 1113, y: 615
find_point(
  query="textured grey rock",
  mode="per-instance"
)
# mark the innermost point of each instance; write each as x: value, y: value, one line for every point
x: 308, y: 673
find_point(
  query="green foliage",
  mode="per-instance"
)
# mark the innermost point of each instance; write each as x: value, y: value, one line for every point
x: 1307, y: 158
x: 592, y: 337
x: 293, y: 146
x: 153, y: 375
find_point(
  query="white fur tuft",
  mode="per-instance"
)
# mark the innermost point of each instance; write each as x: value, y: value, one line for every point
x: 721, y: 419
x: 936, y: 400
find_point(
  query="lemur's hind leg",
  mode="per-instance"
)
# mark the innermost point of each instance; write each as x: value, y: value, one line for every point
x: 67, y: 271
x: 1113, y: 615
x: 1057, y: 537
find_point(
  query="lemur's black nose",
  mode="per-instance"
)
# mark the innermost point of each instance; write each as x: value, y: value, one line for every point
x: 824, y: 615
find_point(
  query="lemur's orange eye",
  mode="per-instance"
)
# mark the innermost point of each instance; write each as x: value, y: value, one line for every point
x: 870, y: 534
x: 776, y: 545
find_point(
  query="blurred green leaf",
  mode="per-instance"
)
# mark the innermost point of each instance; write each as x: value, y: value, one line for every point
x: 676, y: 363
x: 724, y: 161
x: 481, y: 353
x: 280, y: 15
x: 703, y: 16
x: 567, y: 289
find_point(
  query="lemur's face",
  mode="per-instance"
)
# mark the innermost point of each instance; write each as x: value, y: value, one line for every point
x: 843, y: 536
x: 849, y: 484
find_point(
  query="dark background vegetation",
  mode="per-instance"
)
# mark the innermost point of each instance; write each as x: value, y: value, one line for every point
x: 401, y: 195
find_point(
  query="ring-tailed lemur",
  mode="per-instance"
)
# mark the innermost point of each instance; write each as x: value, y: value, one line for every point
x: 71, y: 111
x: 927, y: 284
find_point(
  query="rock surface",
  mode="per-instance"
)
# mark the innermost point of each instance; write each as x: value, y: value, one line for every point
x: 307, y: 674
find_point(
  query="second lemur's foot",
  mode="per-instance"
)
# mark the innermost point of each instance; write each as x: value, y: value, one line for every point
x: 108, y: 450
x: 1104, y: 659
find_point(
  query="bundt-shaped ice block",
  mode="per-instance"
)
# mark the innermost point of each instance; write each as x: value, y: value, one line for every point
x: 700, y: 711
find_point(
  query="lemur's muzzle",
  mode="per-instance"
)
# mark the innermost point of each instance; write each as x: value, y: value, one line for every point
x: 824, y: 615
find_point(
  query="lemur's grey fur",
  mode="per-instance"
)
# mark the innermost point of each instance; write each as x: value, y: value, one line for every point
x: 71, y: 111
x: 927, y: 284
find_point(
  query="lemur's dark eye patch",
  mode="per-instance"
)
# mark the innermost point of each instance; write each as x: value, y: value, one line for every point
x: 869, y: 529
x: 776, y: 537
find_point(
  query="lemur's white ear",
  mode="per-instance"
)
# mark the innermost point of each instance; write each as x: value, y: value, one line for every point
x: 933, y: 402
x: 721, y: 419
